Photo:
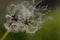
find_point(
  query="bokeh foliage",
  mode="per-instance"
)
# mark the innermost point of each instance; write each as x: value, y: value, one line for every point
x: 49, y: 31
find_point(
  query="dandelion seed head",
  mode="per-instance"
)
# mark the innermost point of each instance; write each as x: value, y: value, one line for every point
x: 27, y: 20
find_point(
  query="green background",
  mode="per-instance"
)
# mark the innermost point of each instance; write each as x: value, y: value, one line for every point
x: 49, y: 31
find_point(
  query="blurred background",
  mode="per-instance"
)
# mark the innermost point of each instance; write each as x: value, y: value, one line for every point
x: 50, y: 29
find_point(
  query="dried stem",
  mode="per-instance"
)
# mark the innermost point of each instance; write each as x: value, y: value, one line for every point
x: 5, y: 35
